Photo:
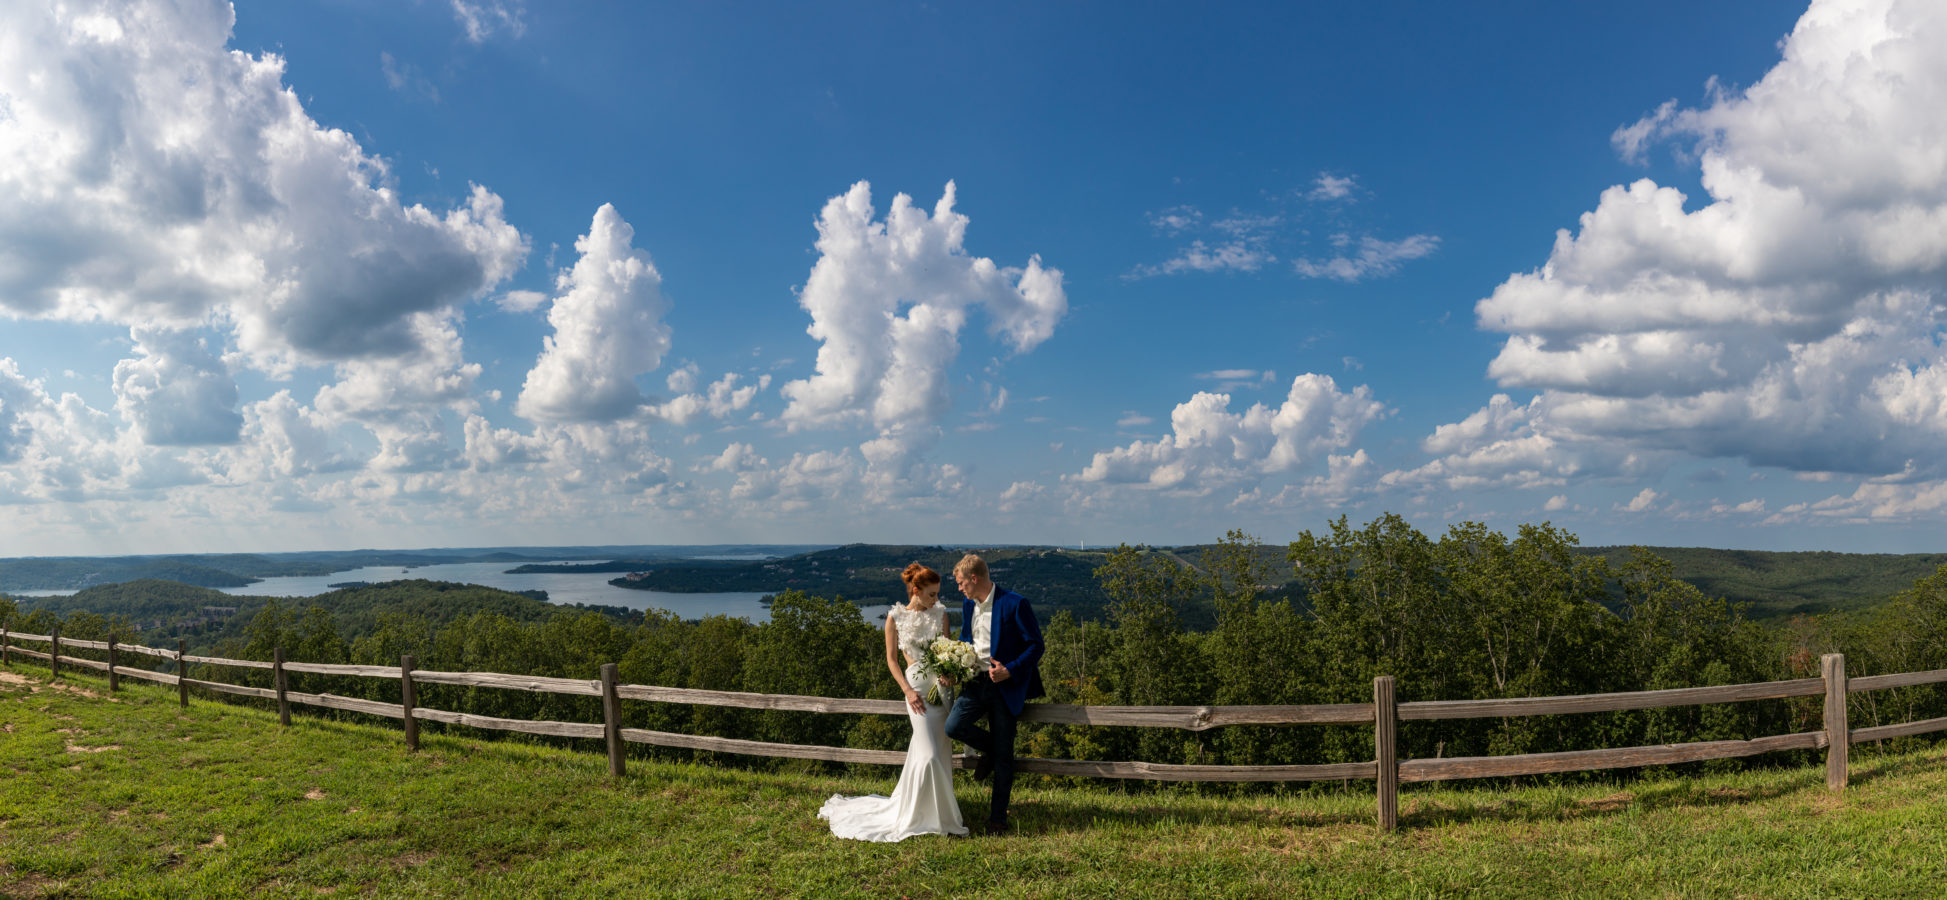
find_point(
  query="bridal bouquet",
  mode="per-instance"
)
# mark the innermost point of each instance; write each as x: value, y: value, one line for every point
x: 947, y: 658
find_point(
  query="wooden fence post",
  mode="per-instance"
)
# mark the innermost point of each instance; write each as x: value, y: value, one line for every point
x: 408, y: 698
x: 612, y: 720
x: 182, y: 676
x: 114, y: 680
x: 1385, y: 745
x: 283, y: 685
x: 5, y: 660
x: 54, y: 654
x: 1838, y: 737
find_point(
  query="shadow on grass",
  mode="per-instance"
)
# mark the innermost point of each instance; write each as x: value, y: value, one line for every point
x: 1536, y: 806
x: 1070, y: 810
x: 1866, y: 769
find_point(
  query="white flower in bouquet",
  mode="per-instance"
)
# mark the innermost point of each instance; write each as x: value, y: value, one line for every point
x: 947, y: 658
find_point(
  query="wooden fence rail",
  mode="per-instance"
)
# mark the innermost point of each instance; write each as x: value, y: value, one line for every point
x: 1383, y: 714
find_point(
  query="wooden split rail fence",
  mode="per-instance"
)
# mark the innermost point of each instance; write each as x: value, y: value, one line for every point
x: 1383, y: 714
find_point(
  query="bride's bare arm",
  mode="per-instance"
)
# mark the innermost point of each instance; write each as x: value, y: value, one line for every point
x: 898, y: 671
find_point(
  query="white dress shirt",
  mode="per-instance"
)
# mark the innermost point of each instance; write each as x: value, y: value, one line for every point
x: 983, y: 626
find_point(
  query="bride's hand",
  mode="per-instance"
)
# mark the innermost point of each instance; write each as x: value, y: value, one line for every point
x: 913, y: 701
x: 944, y: 680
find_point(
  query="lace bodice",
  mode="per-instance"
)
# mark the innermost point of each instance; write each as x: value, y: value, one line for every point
x: 917, y: 629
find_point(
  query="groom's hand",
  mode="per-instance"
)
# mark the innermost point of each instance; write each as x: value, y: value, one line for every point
x: 996, y: 672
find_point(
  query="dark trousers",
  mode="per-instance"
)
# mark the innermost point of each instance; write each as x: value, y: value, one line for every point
x: 981, y: 699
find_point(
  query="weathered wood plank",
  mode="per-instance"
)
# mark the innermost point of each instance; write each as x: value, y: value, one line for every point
x: 282, y: 680
x: 1385, y: 746
x: 1167, y: 772
x: 1418, y: 770
x: 220, y: 661
x: 1900, y: 680
x: 147, y: 651
x: 409, y: 698
x: 612, y: 722
x: 333, y: 701
x: 1199, y: 718
x: 85, y: 663
x: 336, y: 669
x: 1904, y: 729
x: 262, y: 693
x: 22, y: 636
x: 1074, y: 767
x: 1193, y: 718
x: 764, y: 748
x: 1832, y: 666
x: 146, y: 675
x: 537, y: 683
x: 1586, y: 703
x: 556, y: 729
x: 745, y: 700
x: 36, y: 654
x: 85, y: 645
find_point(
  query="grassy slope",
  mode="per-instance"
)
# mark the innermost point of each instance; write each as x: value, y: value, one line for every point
x: 131, y: 797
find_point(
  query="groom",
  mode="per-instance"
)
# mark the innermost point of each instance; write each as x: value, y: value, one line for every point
x: 1007, y: 639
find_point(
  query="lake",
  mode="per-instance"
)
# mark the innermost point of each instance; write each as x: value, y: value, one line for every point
x: 562, y: 588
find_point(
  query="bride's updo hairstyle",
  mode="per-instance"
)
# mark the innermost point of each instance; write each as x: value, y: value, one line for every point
x: 917, y: 578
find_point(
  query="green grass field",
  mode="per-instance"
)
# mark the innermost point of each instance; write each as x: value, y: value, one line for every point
x: 132, y: 797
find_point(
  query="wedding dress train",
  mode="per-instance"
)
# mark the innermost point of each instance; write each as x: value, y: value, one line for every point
x: 923, y: 801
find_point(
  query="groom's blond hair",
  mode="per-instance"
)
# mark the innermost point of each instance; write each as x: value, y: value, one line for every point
x: 971, y: 564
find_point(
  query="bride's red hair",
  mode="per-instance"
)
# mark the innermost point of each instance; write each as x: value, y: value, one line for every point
x: 918, y: 577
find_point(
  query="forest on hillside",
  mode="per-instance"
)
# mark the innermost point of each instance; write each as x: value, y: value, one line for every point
x: 1472, y: 613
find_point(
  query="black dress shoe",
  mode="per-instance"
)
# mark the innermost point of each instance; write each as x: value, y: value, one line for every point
x: 984, y: 766
x: 997, y: 828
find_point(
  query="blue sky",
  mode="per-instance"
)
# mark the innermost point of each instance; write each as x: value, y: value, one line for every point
x: 473, y: 272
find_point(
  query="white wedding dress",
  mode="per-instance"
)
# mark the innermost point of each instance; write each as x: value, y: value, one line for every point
x: 923, y: 801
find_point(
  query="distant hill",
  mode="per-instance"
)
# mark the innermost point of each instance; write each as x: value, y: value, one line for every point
x: 164, y: 610
x: 73, y: 573
x: 1779, y: 584
x: 868, y: 574
x: 1774, y: 584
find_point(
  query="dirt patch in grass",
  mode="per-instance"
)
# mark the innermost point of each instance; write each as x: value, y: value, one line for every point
x: 314, y: 794
x: 14, y: 884
x: 77, y: 689
x: 1610, y: 803
x: 75, y: 748
x: 213, y: 842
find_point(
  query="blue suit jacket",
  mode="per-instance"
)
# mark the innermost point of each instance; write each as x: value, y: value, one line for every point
x: 1017, y: 644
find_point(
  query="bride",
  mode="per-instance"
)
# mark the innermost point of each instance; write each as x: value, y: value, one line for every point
x: 923, y: 802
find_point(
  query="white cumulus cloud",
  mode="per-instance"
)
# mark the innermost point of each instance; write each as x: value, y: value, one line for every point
x: 608, y: 328
x: 176, y: 392
x: 1209, y: 445
x: 1791, y: 317
x: 888, y: 298
x: 149, y: 176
